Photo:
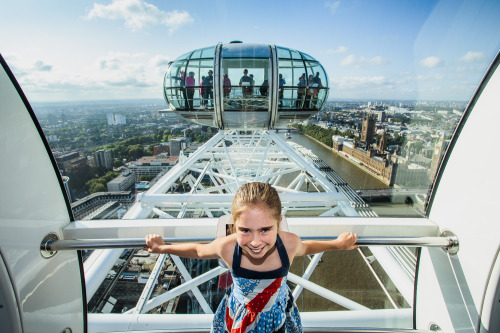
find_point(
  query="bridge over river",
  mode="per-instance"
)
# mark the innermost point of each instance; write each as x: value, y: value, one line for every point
x: 395, y: 195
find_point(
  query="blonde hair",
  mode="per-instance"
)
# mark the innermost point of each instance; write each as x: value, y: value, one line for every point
x: 256, y: 194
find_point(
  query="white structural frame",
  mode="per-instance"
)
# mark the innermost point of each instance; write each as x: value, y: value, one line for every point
x: 209, y: 178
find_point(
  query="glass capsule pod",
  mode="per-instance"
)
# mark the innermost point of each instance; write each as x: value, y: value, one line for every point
x: 245, y: 86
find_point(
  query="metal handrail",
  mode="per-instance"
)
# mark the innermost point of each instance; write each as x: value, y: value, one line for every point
x: 448, y: 242
x: 326, y: 329
x: 367, y: 330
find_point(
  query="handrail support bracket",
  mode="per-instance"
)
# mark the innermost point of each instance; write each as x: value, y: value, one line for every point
x: 45, y: 249
x: 453, y: 239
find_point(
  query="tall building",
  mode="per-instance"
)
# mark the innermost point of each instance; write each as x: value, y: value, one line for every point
x: 116, y: 119
x: 439, y: 151
x: 65, y: 180
x: 382, y: 144
x: 104, y: 158
x: 120, y: 119
x: 176, y: 145
x: 368, y: 129
x: 380, y: 115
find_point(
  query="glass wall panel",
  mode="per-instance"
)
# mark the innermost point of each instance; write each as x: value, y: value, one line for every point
x: 307, y: 56
x: 196, y: 54
x: 174, y: 85
x: 283, y: 53
x: 208, y: 52
x: 191, y: 87
x: 316, y: 81
x: 293, y: 84
x: 295, y: 54
x: 245, y: 84
x: 207, y: 83
x: 193, y: 84
x: 184, y: 56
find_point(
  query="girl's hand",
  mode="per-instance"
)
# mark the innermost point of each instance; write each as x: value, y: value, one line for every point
x: 154, y: 243
x: 347, y: 241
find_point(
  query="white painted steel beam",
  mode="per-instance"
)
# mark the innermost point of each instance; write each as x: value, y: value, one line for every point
x: 98, y: 323
x: 307, y: 274
x: 323, y: 292
x: 203, y: 228
x: 180, y: 289
x: 187, y: 277
x: 228, y: 198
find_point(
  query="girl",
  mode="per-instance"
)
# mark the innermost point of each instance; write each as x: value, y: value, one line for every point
x: 259, y: 256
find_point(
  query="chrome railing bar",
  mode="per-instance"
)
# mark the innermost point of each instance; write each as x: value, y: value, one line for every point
x: 320, y: 329
x: 52, y: 245
x: 366, y: 330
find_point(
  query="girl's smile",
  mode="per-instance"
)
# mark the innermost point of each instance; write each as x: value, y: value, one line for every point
x: 256, y: 232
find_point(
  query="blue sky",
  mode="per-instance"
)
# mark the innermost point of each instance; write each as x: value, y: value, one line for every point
x: 118, y: 49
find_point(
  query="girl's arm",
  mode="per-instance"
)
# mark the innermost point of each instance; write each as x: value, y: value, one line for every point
x: 346, y: 241
x: 212, y: 250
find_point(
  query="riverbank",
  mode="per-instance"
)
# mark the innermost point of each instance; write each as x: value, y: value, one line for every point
x: 347, y: 159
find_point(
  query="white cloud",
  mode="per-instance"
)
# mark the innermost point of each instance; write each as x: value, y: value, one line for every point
x: 340, y: 49
x: 159, y: 61
x: 22, y: 66
x: 109, y: 62
x: 113, y: 75
x: 431, y: 62
x: 39, y: 65
x: 138, y: 14
x: 351, y: 60
x: 472, y: 56
x: 175, y: 19
x: 358, y: 81
x: 434, y: 77
x: 332, y: 6
x: 119, y: 69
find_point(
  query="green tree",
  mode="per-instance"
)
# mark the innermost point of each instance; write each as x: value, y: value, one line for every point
x: 150, y: 150
x: 135, y: 152
x: 146, y: 178
x: 97, y: 187
x: 118, y: 162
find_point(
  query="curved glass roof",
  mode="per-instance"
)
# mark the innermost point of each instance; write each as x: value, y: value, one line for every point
x: 243, y: 50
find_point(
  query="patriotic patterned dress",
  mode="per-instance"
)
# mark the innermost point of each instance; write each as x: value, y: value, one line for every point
x: 258, y: 301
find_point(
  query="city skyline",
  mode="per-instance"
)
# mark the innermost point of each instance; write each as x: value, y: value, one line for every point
x: 77, y: 50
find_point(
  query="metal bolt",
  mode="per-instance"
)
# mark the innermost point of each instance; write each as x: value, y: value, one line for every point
x: 434, y: 327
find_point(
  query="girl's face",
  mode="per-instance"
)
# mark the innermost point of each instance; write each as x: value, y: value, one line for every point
x: 256, y: 231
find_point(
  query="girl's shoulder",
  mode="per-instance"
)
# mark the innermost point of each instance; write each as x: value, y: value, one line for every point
x: 226, y: 247
x: 291, y: 242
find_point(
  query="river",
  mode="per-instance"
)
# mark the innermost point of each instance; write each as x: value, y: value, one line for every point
x: 356, y: 177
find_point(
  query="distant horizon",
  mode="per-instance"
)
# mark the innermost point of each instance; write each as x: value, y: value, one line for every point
x: 131, y: 100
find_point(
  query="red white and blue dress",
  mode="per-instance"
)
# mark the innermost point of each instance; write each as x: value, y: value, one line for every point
x: 258, y: 301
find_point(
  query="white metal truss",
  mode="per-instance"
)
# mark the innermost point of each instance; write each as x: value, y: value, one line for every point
x: 203, y: 185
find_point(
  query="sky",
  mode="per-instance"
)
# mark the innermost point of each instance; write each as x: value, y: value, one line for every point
x: 79, y: 50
